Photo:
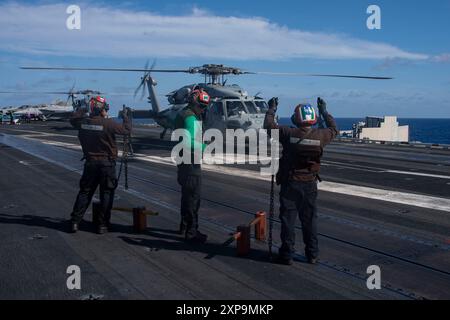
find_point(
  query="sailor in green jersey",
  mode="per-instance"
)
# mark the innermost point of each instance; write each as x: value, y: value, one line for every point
x: 189, y: 174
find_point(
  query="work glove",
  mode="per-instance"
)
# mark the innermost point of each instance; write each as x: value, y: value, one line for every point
x: 273, y: 103
x: 322, y: 105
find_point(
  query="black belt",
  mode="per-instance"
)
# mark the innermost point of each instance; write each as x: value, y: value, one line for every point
x: 90, y: 160
x: 305, y: 174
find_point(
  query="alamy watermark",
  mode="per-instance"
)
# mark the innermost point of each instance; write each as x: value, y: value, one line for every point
x: 74, y: 280
x: 374, y: 20
x: 374, y: 280
x: 237, y: 142
x: 73, y: 21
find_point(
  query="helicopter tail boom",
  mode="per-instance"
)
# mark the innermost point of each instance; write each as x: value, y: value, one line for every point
x: 151, y: 84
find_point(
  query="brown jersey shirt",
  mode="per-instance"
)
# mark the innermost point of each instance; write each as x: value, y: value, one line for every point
x: 302, y: 147
x: 97, y: 135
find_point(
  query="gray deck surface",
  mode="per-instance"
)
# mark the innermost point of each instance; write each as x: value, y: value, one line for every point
x: 40, y: 168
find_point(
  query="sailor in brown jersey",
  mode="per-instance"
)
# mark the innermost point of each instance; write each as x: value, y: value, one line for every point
x: 299, y: 172
x: 97, y: 135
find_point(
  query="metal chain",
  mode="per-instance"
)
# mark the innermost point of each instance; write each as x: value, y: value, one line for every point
x: 124, y: 160
x: 127, y: 147
x: 271, y: 215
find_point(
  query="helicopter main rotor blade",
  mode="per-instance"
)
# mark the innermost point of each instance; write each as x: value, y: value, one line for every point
x: 33, y: 92
x: 143, y: 90
x: 54, y: 92
x: 138, y: 88
x: 207, y: 70
x: 321, y: 75
x: 107, y: 69
x: 118, y: 94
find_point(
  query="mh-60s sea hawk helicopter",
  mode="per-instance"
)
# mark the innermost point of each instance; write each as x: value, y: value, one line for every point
x: 231, y: 107
x: 60, y: 110
x: 63, y: 110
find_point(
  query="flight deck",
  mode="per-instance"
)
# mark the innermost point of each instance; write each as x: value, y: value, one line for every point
x: 380, y: 205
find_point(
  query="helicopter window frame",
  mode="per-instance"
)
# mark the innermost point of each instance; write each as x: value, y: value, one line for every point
x: 251, y: 103
x: 263, y: 109
x: 244, y: 107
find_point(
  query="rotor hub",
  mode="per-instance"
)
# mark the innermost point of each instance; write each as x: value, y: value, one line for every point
x: 215, y: 72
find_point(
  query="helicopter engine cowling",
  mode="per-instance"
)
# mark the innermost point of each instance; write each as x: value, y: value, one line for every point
x: 180, y: 96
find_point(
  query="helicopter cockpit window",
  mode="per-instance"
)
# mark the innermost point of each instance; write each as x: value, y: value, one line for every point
x: 262, y: 106
x: 234, y: 108
x: 250, y: 107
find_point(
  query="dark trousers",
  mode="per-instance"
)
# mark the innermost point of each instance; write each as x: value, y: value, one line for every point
x: 190, y: 180
x: 298, y: 198
x: 96, y: 173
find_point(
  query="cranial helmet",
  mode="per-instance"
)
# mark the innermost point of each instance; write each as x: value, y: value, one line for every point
x: 200, y: 97
x: 304, y: 116
x: 97, y: 104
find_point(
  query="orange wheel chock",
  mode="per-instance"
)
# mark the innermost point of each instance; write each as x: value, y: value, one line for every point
x: 139, y: 219
x: 139, y: 215
x: 243, y: 240
x: 243, y: 234
x: 260, y: 226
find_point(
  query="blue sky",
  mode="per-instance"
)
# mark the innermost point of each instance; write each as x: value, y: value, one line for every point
x: 286, y: 36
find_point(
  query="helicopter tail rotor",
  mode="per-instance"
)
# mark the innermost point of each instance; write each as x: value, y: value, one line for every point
x: 144, y: 79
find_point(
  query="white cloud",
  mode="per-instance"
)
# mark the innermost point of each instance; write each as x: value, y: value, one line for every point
x: 393, y: 62
x: 109, y: 32
x: 443, y: 58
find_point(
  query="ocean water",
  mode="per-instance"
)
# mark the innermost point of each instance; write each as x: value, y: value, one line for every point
x: 420, y: 130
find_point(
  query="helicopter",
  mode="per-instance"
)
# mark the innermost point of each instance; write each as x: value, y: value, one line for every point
x: 60, y: 110
x: 231, y: 106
